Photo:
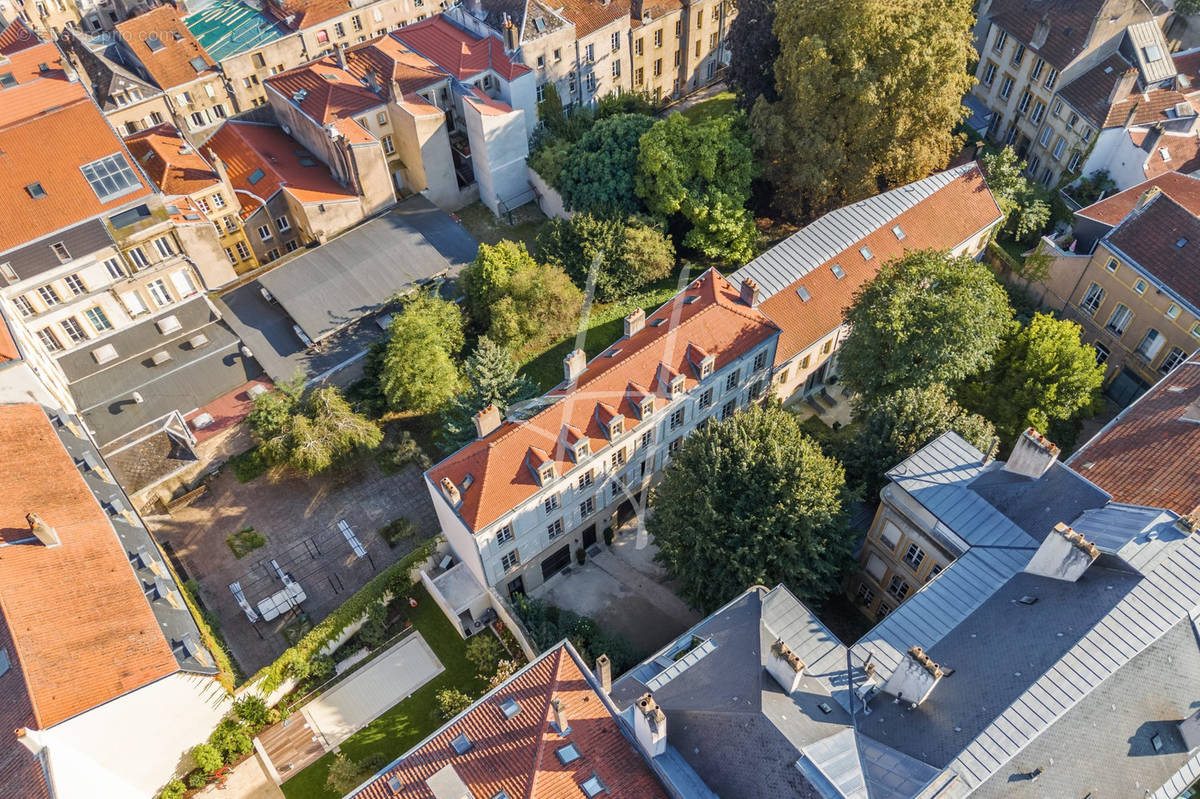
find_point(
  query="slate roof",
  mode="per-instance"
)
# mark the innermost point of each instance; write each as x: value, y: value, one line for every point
x: 179, y: 60
x: 170, y: 161
x: 939, y: 212
x: 1069, y: 23
x: 1149, y: 455
x: 518, y: 755
x: 459, y: 52
x: 1183, y: 189
x: 1163, y: 238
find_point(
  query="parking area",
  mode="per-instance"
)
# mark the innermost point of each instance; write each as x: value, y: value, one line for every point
x: 625, y: 592
x: 299, y: 520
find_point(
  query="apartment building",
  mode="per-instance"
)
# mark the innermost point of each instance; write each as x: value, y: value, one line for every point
x: 804, y: 283
x: 183, y: 175
x: 1128, y: 281
x: 516, y: 503
x: 1054, y: 78
x: 94, y: 634
x: 442, y: 111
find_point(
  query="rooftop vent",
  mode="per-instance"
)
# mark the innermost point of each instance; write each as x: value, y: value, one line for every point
x: 163, y: 589
x: 197, y: 341
x: 461, y: 744
x: 104, y: 353
x: 688, y: 300
x: 160, y: 357
x: 168, y: 324
x: 510, y: 707
x: 1181, y: 243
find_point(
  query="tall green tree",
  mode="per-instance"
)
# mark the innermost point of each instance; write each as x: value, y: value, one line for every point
x: 310, y: 431
x: 701, y: 171
x: 1024, y: 203
x: 753, y: 49
x: 539, y: 305
x: 492, y: 379
x: 484, y: 279
x: 899, y: 424
x: 1042, y: 375
x: 629, y: 254
x: 418, y: 372
x: 599, y: 174
x: 870, y: 92
x: 748, y: 501
x: 923, y: 319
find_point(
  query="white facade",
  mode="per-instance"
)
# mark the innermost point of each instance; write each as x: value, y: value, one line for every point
x: 499, y: 147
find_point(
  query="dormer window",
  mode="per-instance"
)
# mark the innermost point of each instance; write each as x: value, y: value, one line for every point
x: 706, y: 366
x: 616, y: 427
x: 676, y: 386
x: 581, y: 449
x: 546, y: 473
x: 647, y: 407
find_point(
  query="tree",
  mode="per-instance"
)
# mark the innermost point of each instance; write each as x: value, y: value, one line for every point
x: 753, y: 49
x: 1042, y: 374
x: 598, y: 176
x: 1187, y: 8
x: 492, y: 379
x: 418, y: 372
x: 451, y: 702
x: 751, y: 500
x: 625, y: 102
x: 345, y: 774
x: 309, y: 431
x: 870, y: 92
x: 899, y: 424
x: 539, y: 305
x: 701, y: 172
x: 629, y: 254
x: 1025, y: 204
x: 484, y: 280
x: 925, y: 318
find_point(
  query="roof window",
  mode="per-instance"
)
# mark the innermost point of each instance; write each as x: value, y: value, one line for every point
x: 4, y: 661
x: 688, y: 300
x: 567, y: 754
x: 1181, y: 243
x: 837, y: 270
x: 510, y: 707
x: 393, y: 783
x: 198, y: 64
x: 802, y: 292
x: 462, y: 744
x: 898, y: 231
x: 7, y: 80
x: 256, y: 176
x: 865, y: 252
x: 592, y: 786
x: 36, y: 191
x: 110, y: 177
x: 154, y: 43
x: 1152, y: 52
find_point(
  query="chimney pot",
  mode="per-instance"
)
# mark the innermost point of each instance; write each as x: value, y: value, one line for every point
x: 574, y: 364
x: 450, y: 491
x: 1063, y: 555
x: 1032, y: 456
x: 749, y: 292
x: 487, y: 421
x: 650, y: 726
x: 560, y: 717
x: 635, y: 322
x: 44, y: 532
x: 604, y: 673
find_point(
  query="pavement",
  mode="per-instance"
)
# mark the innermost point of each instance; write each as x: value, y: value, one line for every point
x: 247, y: 780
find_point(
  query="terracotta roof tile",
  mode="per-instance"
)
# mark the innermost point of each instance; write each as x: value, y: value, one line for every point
x: 519, y: 755
x: 27, y: 64
x: 16, y: 37
x: 170, y: 161
x: 1184, y: 189
x: 1182, y: 152
x: 82, y: 629
x: 1187, y: 63
x: 175, y: 62
x: 590, y: 16
x: 1089, y: 93
x: 944, y: 220
x: 8, y: 346
x: 298, y: 14
x: 34, y: 150
x: 486, y: 105
x: 462, y: 54
x: 1163, y: 237
x: 1149, y: 455
x: 327, y: 92
x: 715, y: 320
x: 21, y: 773
x: 392, y: 60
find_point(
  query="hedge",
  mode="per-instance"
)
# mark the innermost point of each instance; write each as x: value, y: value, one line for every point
x: 229, y: 673
x: 294, y: 661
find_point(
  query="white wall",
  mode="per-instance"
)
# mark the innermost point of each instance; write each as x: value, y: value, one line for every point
x: 549, y: 200
x: 130, y: 747
x: 457, y: 535
x: 498, y: 152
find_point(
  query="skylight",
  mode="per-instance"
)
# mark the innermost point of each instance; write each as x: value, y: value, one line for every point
x: 461, y: 744
x: 592, y: 786
x: 394, y: 783
x: 110, y: 177
x: 567, y: 754
x: 7, y: 80
x: 803, y: 293
x: 153, y: 42
x: 898, y: 231
x: 1181, y: 243
x: 838, y: 272
x: 198, y: 64
x: 509, y: 707
x: 865, y: 252
x: 1152, y: 52
x: 36, y: 191
x: 256, y: 176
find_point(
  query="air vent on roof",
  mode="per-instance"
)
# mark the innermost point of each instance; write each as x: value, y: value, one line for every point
x: 307, y: 162
x: 168, y: 324
x: 567, y: 754
x: 509, y: 707
x: 1152, y: 52
x: 299, y: 95
x: 1027, y: 600
x: 43, y: 67
x: 803, y: 294
x: 36, y: 191
x: 105, y: 353
x: 160, y: 357
x: 197, y: 341
x: 88, y: 462
x: 838, y: 272
x: 461, y: 744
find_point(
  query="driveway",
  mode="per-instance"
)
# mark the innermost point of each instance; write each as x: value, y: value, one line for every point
x: 299, y: 518
x: 624, y: 591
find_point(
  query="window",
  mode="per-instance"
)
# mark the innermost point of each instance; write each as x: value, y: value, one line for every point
x: 646, y: 440
x: 242, y: 250
x: 504, y: 534
x: 163, y: 245
x: 1059, y: 146
x: 760, y: 361
x: 1120, y: 319
x: 1006, y: 87
x: 989, y: 74
x: 1023, y: 103
x: 356, y: 22
x: 1058, y: 107
x: 540, y: 94
x: 589, y: 53
x: 657, y: 67
x: 638, y: 46
x: 1038, y: 66
x: 616, y: 68
x: 865, y: 594
x: 1175, y: 357
x: 322, y: 36
x: 1018, y: 55
x: 697, y: 48
x: 889, y: 535
x: 61, y: 252
x: 1092, y: 300
x: 264, y: 233
x: 1033, y: 165
x: 728, y: 409
x: 510, y: 560
x: 1150, y: 345
x: 49, y: 295
x: 218, y: 200
x: 283, y: 224
x: 705, y: 400
x: 1044, y: 139
x: 73, y: 329
x: 1051, y: 79
x: 110, y: 177
x: 233, y: 259
x: 75, y: 284
x: 550, y: 503
x: 1172, y: 311
x: 259, y: 61
x: 592, y: 786
x: 24, y: 306
x: 98, y: 319
x: 1039, y: 111
x: 1071, y: 120
x: 554, y: 529
x: 49, y: 340
x: 339, y: 29
x: 699, y: 20
x: 914, y: 556
x: 676, y: 419
x: 158, y: 292
x: 639, y: 76
x: 585, y: 480
x: 658, y: 38
x: 113, y: 266
x: 678, y: 60
x: 616, y: 42
x: 140, y: 261
x: 731, y: 382
x: 712, y: 41
x: 134, y: 303
x: 897, y: 587
x: 1140, y: 286
x: 716, y: 15
x: 587, y: 507
x: 589, y: 82
x: 678, y: 27
x: 1112, y: 265
x: 1073, y: 164
x: 673, y: 447
x: 557, y: 55
x: 1001, y: 39
x: 618, y: 459
x: 184, y: 286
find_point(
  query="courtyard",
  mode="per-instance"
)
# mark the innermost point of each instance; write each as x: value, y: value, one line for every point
x: 290, y: 533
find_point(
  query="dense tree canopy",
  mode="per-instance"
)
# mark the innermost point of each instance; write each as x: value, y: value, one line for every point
x: 923, y: 319
x: 418, y: 372
x: 309, y: 431
x: 482, y: 282
x: 537, y: 306
x: 1024, y: 203
x: 748, y: 501
x: 627, y: 254
x: 1042, y: 374
x: 753, y: 49
x: 491, y: 378
x: 598, y: 176
x: 870, y: 92
x: 701, y: 171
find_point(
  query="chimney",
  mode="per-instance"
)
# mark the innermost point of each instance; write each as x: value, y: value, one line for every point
x: 450, y: 491
x: 915, y: 677
x: 218, y: 166
x: 560, y: 717
x: 650, y: 726
x: 372, y: 81
x: 511, y: 38
x: 1032, y: 455
x: 749, y: 294
x: 1063, y: 555
x: 604, y: 673
x: 1189, y: 731
x: 1123, y: 86
x: 574, y: 364
x: 44, y: 532
x: 487, y: 421
x: 635, y: 322
x: 339, y: 51
x: 1147, y: 197
x: 785, y: 666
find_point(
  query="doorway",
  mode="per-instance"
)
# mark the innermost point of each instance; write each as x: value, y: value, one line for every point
x: 556, y: 562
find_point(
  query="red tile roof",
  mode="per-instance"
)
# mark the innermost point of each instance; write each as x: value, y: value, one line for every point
x: 247, y: 147
x: 26, y: 64
x: 590, y: 16
x: 1184, y: 189
x: 34, y: 149
x: 16, y: 37
x: 1163, y: 238
x: 326, y: 91
x: 1187, y: 63
x: 486, y: 105
x: 170, y: 65
x: 392, y: 60
x: 8, y: 346
x: 82, y: 629
x: 462, y: 54
x: 298, y: 14
x: 170, y: 161
x: 1183, y: 152
x: 519, y: 755
x: 21, y: 773
x: 1148, y: 455
x: 944, y: 220
x: 715, y: 321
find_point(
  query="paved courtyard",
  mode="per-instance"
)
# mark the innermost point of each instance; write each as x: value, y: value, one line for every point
x: 299, y: 518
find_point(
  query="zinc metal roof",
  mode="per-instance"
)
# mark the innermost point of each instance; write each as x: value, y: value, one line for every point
x: 227, y: 27
x: 1144, y: 36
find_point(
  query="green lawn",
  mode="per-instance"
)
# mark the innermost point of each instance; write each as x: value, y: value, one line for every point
x: 715, y: 106
x: 483, y: 225
x: 406, y: 724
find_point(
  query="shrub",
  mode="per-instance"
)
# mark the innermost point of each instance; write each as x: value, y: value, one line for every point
x: 231, y: 740
x: 549, y: 160
x: 608, y: 536
x: 451, y: 702
x: 207, y: 758
x: 397, y: 530
x: 345, y: 774
x: 398, y: 451
x: 374, y: 632
x: 197, y: 779
x: 173, y: 790
x: 248, y: 465
x: 581, y: 555
x: 321, y: 667
x: 245, y: 541
x: 548, y: 624
x: 484, y: 651
x: 253, y: 711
